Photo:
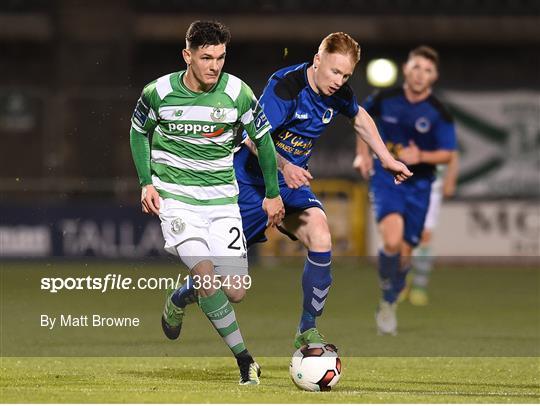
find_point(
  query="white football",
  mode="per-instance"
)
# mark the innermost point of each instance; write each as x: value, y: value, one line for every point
x: 316, y: 367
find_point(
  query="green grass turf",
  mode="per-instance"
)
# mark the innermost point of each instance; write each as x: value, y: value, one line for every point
x: 213, y: 379
x: 477, y: 341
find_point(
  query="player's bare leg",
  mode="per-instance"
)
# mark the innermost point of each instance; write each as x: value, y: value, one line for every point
x: 234, y: 294
x: 311, y: 228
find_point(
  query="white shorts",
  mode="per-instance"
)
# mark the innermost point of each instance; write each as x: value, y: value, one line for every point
x: 435, y: 201
x: 197, y: 233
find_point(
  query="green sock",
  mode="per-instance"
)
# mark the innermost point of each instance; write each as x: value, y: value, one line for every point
x: 221, y: 314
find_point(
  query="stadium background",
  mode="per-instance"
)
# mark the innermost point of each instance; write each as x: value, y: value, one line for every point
x: 70, y: 74
x: 72, y: 70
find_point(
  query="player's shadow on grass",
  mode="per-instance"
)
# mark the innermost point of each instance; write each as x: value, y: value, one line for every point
x: 495, y: 385
x: 187, y: 373
x: 427, y: 392
x: 206, y: 373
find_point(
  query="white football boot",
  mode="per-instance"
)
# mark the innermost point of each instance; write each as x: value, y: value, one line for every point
x: 386, y: 319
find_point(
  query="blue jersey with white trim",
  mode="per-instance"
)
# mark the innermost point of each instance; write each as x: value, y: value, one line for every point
x: 297, y: 115
x: 426, y: 123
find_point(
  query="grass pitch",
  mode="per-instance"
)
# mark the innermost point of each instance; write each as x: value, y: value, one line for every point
x: 213, y: 379
x: 478, y: 340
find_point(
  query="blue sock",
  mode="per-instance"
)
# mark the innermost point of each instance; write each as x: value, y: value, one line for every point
x: 399, y: 281
x: 316, y: 281
x: 307, y: 321
x: 185, y: 294
x: 388, y: 270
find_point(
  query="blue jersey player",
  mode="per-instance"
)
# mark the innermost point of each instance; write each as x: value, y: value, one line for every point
x: 419, y: 131
x: 299, y: 102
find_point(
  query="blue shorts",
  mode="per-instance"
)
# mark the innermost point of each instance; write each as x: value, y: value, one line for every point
x: 253, y: 216
x: 410, y: 199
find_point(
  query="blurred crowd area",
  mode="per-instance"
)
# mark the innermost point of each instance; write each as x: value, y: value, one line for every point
x: 72, y: 71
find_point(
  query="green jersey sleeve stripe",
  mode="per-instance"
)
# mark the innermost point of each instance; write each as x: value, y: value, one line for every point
x: 189, y: 177
x: 247, y: 117
x: 263, y: 131
x: 135, y: 127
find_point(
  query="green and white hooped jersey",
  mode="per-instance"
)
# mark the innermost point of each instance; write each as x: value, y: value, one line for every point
x: 193, y: 136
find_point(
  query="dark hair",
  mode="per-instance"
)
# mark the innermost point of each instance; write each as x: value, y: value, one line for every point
x: 426, y: 52
x: 202, y: 33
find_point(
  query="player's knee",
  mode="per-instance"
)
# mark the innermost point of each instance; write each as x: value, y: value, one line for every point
x: 319, y: 241
x: 392, y: 245
x: 235, y: 295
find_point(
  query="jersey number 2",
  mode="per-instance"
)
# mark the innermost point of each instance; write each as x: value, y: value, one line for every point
x: 232, y: 246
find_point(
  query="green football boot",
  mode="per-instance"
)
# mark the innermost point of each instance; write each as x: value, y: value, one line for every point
x: 172, y: 317
x: 310, y: 336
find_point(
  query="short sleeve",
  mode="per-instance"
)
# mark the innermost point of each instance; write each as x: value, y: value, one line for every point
x: 276, y: 108
x: 350, y: 108
x: 445, y: 134
x: 372, y: 105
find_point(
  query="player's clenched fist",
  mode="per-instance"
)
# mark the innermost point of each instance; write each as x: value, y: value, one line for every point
x: 398, y: 169
x: 150, y: 200
x: 274, y: 209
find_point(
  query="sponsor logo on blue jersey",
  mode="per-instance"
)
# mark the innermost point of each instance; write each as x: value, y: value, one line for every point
x: 327, y: 116
x: 422, y: 125
x: 389, y: 119
x: 292, y: 144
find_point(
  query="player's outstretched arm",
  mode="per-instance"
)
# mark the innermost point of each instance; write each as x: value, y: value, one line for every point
x: 366, y: 130
x: 294, y: 175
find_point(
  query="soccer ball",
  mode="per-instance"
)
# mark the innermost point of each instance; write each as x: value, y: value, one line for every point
x: 315, y: 367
